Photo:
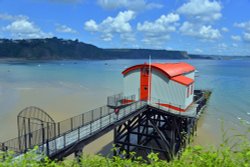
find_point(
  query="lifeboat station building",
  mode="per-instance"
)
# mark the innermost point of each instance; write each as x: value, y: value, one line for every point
x: 169, y: 85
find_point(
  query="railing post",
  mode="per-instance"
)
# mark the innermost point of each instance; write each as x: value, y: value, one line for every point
x: 25, y: 137
x: 82, y: 119
x: 117, y: 115
x: 159, y: 102
x: 130, y: 108
x: 43, y: 135
x: 92, y: 115
x: 47, y: 146
x: 125, y: 111
x: 54, y: 124
x: 71, y: 123
x: 5, y: 150
x: 64, y: 140
x: 48, y: 136
x: 101, y: 119
x: 29, y: 133
x: 78, y: 133
x: 92, y: 118
x: 58, y: 128
x: 109, y: 116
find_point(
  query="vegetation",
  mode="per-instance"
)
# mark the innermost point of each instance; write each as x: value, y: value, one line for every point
x: 234, y: 151
x: 55, y: 49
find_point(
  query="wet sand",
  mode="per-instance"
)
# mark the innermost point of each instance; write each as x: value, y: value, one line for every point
x: 62, y: 103
x: 59, y: 103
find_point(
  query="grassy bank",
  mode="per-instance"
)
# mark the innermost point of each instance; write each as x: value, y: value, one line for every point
x: 234, y: 151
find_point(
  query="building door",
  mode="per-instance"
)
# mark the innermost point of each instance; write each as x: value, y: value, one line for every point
x: 144, y: 84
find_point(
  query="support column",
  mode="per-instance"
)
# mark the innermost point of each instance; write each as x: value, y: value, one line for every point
x: 78, y: 155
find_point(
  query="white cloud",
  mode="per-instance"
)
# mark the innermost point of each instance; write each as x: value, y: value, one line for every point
x: 158, y: 30
x: 128, y: 4
x: 222, y: 46
x: 208, y: 32
x: 246, y: 37
x: 200, y: 15
x: 246, y: 27
x: 156, y: 42
x: 243, y: 25
x: 154, y: 6
x: 201, y: 10
x: 235, y: 45
x: 65, y: 29
x: 112, y: 25
x: 236, y: 37
x: 8, y: 17
x: 224, y: 29
x: 23, y: 28
x: 198, y: 50
x: 91, y: 25
x: 107, y: 37
x: 128, y: 37
x: 200, y: 31
x: 188, y: 28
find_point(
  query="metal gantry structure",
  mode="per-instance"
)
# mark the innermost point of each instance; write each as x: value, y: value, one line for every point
x: 138, y: 126
x: 154, y: 130
x: 32, y: 121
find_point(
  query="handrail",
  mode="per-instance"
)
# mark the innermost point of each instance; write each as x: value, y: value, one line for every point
x: 62, y: 128
x: 67, y: 126
x: 116, y: 100
x: 157, y: 100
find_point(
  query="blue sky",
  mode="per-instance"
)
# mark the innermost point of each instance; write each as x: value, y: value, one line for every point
x: 197, y: 26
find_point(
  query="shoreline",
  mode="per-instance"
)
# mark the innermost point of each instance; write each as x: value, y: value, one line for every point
x: 13, y: 60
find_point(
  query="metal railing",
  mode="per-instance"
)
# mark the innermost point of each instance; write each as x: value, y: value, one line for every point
x: 76, y: 128
x: 70, y: 130
x: 99, y: 120
x: 116, y: 100
x: 160, y: 101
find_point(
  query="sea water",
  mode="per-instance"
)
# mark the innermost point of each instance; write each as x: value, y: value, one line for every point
x: 67, y: 88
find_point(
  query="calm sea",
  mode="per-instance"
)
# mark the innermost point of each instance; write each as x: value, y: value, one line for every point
x: 67, y: 88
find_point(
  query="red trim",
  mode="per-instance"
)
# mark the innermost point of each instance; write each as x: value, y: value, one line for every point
x: 116, y: 110
x: 144, y: 85
x: 174, y: 107
x: 183, y: 80
x: 126, y: 101
x: 171, y: 107
x: 169, y: 69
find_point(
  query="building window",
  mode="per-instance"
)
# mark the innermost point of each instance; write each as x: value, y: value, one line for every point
x: 192, y: 89
x: 188, y: 91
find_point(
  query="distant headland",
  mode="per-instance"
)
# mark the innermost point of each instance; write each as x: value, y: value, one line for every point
x: 60, y: 49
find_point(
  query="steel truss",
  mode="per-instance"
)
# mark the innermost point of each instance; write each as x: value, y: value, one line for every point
x: 154, y: 130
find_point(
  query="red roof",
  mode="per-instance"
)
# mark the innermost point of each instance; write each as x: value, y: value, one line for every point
x: 174, y: 71
x: 183, y: 80
x: 170, y: 69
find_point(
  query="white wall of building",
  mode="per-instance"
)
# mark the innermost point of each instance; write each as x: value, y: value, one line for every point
x: 131, y: 83
x: 168, y: 91
x: 189, y: 99
x: 162, y: 88
x: 190, y: 75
